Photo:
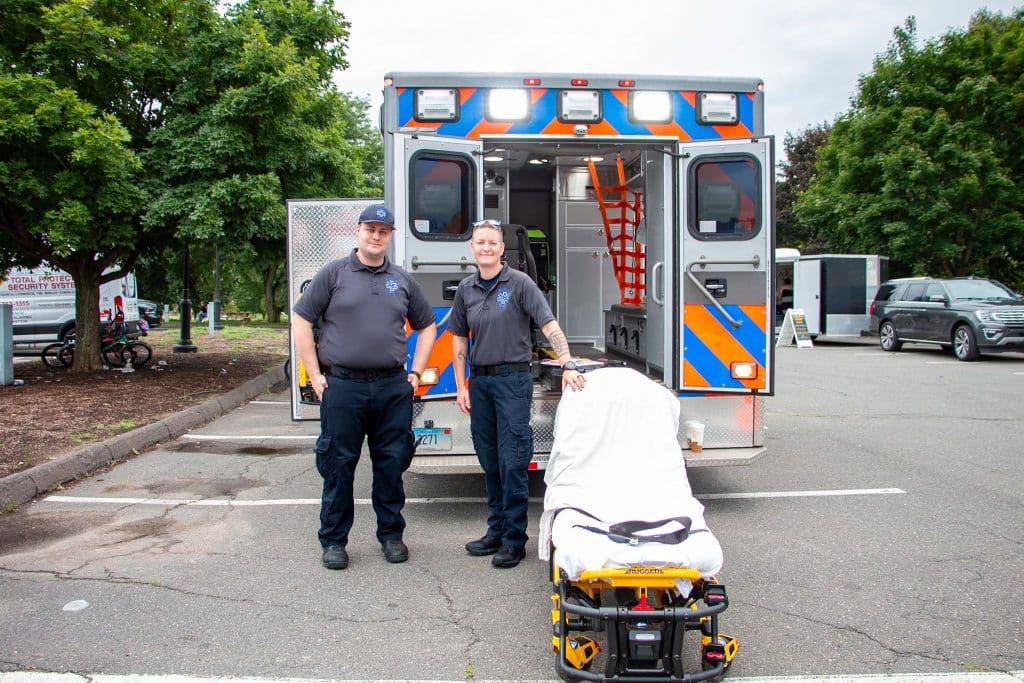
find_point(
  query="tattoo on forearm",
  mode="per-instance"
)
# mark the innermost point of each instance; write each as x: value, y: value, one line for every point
x: 461, y: 355
x: 559, y: 342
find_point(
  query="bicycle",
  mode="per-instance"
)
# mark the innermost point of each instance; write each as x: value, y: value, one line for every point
x: 117, y: 349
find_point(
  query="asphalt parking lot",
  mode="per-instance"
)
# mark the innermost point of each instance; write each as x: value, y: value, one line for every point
x: 882, y: 533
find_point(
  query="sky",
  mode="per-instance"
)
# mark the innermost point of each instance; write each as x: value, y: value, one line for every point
x: 809, y: 53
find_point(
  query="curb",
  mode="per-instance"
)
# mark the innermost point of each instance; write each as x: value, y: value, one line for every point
x: 21, y: 487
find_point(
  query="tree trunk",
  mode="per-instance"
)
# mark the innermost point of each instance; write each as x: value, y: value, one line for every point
x: 87, y: 316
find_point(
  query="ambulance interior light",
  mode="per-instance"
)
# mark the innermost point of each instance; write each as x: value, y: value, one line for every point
x: 717, y: 108
x: 508, y: 104
x: 650, y: 106
x: 437, y: 104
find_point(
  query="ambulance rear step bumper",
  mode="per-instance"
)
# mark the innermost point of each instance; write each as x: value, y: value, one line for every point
x: 468, y: 464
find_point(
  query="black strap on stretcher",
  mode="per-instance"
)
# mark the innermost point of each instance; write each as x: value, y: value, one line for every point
x: 625, y: 532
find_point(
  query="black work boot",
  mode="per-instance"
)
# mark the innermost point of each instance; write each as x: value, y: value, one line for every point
x: 508, y: 556
x: 485, y: 545
x: 335, y: 557
x: 395, y: 551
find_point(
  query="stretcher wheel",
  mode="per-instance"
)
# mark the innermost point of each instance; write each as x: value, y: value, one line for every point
x: 727, y: 647
x: 566, y: 676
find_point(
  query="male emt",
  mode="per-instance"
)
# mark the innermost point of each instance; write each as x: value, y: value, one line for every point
x: 364, y: 301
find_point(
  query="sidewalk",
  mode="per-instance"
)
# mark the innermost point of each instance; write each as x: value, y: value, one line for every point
x: 21, y: 487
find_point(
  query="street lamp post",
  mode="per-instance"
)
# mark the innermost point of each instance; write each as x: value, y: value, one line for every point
x: 185, y: 344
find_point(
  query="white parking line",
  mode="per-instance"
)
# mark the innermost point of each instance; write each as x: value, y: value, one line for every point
x: 249, y: 437
x: 272, y: 403
x: 221, y: 502
x: 966, y: 677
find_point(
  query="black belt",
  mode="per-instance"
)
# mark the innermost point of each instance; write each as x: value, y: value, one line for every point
x: 500, y: 369
x: 369, y: 375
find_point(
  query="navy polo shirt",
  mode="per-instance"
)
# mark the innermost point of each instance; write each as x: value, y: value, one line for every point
x: 363, y: 313
x: 499, y: 318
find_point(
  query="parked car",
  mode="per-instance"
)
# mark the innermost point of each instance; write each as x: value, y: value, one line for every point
x: 150, y: 311
x: 968, y: 315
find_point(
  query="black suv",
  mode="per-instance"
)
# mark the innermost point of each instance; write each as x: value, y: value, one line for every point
x: 966, y: 314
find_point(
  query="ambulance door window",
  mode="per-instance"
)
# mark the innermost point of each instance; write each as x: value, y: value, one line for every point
x: 728, y: 205
x: 441, y: 195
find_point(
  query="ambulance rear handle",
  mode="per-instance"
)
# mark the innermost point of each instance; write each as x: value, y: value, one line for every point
x: 755, y: 261
x: 462, y: 263
x: 658, y: 294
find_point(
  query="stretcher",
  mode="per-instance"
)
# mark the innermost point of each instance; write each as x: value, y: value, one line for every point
x: 633, y: 562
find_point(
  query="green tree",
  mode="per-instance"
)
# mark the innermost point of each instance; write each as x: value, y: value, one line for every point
x: 256, y: 119
x: 926, y: 167
x: 127, y: 128
x: 81, y: 82
x: 796, y: 174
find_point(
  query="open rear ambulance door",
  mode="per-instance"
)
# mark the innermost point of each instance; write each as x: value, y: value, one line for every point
x: 725, y: 243
x: 436, y: 193
x: 319, y: 231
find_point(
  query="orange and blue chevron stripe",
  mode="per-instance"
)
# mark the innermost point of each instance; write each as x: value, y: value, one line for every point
x: 711, y: 344
x: 440, y: 357
x: 683, y: 125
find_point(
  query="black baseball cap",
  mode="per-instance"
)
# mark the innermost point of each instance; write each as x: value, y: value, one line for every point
x: 377, y: 213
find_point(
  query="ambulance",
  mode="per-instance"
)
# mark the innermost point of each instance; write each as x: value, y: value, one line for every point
x: 641, y: 205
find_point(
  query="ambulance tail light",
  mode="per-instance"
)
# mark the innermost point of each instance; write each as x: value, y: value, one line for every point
x: 743, y: 370
x: 429, y: 376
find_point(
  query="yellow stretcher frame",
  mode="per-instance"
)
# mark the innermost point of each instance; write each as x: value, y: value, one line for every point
x: 655, y: 589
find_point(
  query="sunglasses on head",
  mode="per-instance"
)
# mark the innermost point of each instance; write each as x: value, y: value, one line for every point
x: 487, y: 223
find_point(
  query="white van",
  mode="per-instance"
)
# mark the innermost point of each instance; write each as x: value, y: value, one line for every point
x: 43, y: 301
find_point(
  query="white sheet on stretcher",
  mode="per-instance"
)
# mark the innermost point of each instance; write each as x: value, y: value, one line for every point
x: 616, y: 457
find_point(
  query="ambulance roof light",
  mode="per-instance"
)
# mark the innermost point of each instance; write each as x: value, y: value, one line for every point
x: 388, y: 82
x: 627, y: 83
x: 579, y: 106
x: 650, y: 106
x: 436, y: 104
x: 508, y: 104
x: 579, y: 82
x: 531, y: 81
x: 721, y: 108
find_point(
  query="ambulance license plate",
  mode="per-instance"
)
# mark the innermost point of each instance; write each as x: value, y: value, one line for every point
x: 433, y: 438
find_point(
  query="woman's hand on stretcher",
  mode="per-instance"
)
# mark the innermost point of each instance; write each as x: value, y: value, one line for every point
x: 574, y: 379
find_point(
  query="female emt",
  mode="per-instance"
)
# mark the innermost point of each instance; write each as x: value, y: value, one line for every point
x: 496, y: 305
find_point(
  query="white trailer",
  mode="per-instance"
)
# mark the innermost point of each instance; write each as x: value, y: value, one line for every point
x: 835, y: 291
